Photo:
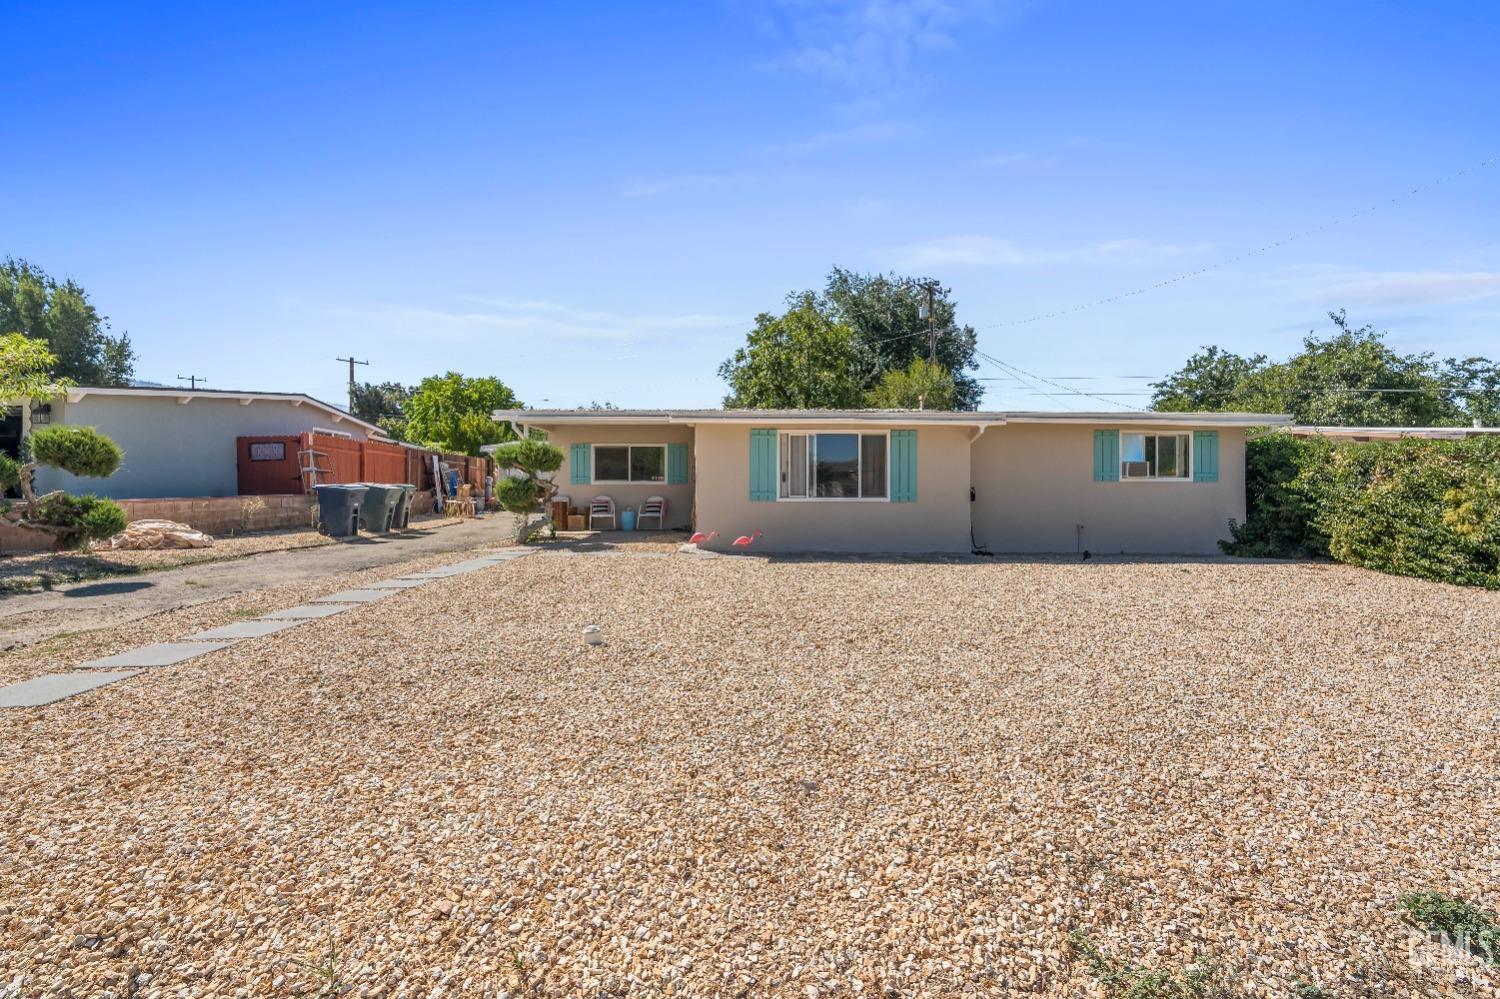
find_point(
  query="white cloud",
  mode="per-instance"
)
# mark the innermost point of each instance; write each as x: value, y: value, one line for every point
x: 517, y: 323
x: 1393, y: 288
x: 990, y: 251
x: 875, y: 131
x: 661, y: 185
x: 1004, y: 159
x: 863, y: 43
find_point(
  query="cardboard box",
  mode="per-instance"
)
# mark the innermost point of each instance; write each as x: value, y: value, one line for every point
x: 578, y: 522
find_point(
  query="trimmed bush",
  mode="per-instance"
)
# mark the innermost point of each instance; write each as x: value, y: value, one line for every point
x: 78, y: 518
x: 78, y: 450
x: 1411, y: 507
x: 104, y: 520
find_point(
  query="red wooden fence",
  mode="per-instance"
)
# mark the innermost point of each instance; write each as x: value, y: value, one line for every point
x: 271, y: 465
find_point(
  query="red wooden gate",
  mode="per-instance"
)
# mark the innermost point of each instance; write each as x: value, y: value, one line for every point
x: 268, y: 465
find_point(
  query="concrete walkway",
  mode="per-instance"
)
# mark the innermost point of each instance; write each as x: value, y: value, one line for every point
x: 26, y: 618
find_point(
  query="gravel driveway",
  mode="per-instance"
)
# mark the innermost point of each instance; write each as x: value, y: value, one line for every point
x: 784, y: 778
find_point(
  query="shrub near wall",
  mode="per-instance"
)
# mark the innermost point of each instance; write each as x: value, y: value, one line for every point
x: 1411, y: 507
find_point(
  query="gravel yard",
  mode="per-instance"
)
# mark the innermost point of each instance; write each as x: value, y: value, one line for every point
x: 777, y: 778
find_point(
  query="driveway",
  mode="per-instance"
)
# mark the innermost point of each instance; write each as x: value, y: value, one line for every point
x: 26, y: 618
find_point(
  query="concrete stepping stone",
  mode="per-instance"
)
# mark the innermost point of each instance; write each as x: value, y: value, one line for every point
x: 306, y: 612
x: 51, y: 687
x: 396, y: 584
x: 352, y: 597
x: 160, y: 654
x: 243, y: 629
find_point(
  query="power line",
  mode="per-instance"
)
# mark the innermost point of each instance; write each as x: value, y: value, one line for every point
x: 1062, y: 388
x: 1248, y: 253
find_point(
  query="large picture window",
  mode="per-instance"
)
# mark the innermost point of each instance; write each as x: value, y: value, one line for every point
x: 1155, y: 456
x: 833, y: 466
x: 630, y: 463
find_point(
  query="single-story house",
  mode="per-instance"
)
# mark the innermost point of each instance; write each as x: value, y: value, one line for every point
x: 177, y: 441
x: 916, y: 481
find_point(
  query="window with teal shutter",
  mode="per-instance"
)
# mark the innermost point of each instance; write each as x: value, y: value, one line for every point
x: 1205, y: 456
x: 677, y: 465
x: 580, y: 474
x: 1106, y: 456
x: 903, y: 466
x: 763, y: 465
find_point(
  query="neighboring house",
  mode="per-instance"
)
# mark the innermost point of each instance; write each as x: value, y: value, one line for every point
x: 903, y: 481
x: 177, y: 442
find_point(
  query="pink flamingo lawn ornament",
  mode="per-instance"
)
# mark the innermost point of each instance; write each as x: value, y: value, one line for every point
x: 699, y: 537
x: 746, y: 540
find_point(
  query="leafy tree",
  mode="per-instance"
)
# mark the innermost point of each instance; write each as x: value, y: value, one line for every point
x: 453, y: 413
x: 1475, y: 382
x: 535, y: 460
x: 884, y: 310
x: 1351, y: 378
x: 922, y: 385
x: 24, y: 367
x: 1212, y: 379
x: 801, y: 359
x: 61, y: 316
x: 383, y: 405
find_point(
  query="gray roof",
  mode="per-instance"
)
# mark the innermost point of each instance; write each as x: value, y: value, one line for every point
x: 882, y: 416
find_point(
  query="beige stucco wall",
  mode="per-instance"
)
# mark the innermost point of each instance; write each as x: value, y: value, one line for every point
x: 937, y: 522
x: 1034, y: 484
x: 679, y: 498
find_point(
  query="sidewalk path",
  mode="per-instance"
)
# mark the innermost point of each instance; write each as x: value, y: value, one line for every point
x: 26, y: 618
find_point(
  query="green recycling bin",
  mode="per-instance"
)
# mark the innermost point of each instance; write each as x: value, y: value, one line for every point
x: 379, y: 506
x: 338, y: 509
x: 401, y: 519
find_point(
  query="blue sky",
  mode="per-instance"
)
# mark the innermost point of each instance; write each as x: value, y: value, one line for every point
x: 592, y: 200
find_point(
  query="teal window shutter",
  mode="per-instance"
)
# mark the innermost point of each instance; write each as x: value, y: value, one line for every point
x: 581, y: 471
x: 1106, y: 456
x: 1205, y: 456
x: 763, y: 465
x: 676, y: 464
x: 903, y: 466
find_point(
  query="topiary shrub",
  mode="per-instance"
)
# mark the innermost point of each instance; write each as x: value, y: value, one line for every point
x: 104, y: 520
x: 77, y: 450
x: 521, y: 494
x: 78, y: 519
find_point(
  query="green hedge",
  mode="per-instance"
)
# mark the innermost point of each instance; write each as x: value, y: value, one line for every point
x: 1411, y: 507
x: 81, y: 518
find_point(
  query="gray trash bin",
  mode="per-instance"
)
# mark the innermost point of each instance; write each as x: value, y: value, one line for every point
x: 401, y: 519
x: 339, y: 509
x: 380, y: 504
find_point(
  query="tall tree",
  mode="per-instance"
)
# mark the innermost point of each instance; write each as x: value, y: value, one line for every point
x: 1212, y: 379
x: 383, y: 405
x: 885, y: 312
x: 1351, y: 378
x: 453, y: 413
x: 61, y: 316
x: 801, y: 359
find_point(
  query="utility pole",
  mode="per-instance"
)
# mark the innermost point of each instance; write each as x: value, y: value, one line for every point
x: 927, y: 312
x: 192, y: 380
x: 352, y: 363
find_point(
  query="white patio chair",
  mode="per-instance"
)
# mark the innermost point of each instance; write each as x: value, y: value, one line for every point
x: 655, y: 506
x: 602, y: 507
